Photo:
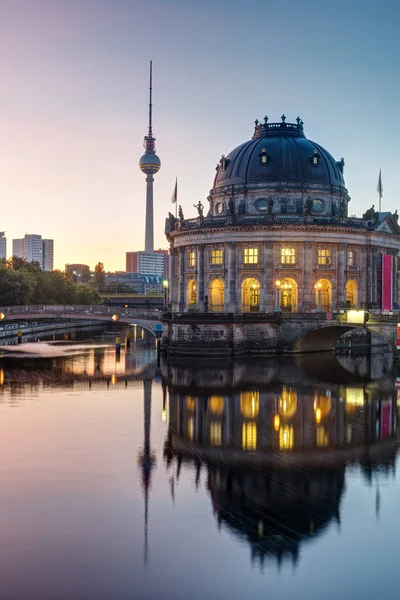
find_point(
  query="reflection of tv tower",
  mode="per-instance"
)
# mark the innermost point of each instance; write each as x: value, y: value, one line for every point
x: 146, y: 458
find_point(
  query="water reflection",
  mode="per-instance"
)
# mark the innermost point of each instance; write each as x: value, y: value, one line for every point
x: 276, y: 444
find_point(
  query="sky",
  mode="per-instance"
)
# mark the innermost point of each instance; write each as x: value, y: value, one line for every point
x: 74, y: 94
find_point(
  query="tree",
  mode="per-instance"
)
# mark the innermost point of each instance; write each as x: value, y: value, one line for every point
x: 15, y: 287
x: 99, y: 275
x: 85, y: 274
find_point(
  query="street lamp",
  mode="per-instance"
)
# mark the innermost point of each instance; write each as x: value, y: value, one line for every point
x: 278, y: 296
x: 165, y: 285
x: 318, y: 287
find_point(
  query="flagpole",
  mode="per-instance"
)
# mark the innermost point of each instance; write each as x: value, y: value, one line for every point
x: 380, y: 189
x: 176, y: 198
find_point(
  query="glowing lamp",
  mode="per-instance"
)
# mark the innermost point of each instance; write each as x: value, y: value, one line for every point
x: 115, y: 318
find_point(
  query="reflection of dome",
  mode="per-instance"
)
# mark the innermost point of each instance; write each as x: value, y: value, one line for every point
x: 288, y: 156
x: 277, y: 511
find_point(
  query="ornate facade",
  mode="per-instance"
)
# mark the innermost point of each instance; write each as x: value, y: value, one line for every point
x: 277, y: 235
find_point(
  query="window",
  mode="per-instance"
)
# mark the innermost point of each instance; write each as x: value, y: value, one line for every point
x: 264, y: 157
x: 191, y: 258
x: 324, y: 256
x: 251, y: 256
x: 216, y: 257
x: 351, y: 258
x: 288, y: 256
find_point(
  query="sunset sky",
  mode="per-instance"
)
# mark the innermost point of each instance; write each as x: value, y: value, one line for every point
x: 74, y: 93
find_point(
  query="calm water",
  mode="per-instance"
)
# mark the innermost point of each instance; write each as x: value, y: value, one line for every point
x: 245, y: 480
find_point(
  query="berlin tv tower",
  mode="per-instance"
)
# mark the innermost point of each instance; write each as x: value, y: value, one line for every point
x: 149, y: 164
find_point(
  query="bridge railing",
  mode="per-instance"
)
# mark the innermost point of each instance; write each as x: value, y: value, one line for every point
x: 80, y: 309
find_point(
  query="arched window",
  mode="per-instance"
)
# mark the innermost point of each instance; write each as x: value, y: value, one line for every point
x: 351, y: 294
x: 217, y: 295
x: 191, y: 292
x: 250, y: 404
x: 250, y: 295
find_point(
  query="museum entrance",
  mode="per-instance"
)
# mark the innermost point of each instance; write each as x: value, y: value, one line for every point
x: 250, y: 295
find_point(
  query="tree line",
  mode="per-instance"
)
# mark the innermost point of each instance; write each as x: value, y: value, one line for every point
x: 23, y: 282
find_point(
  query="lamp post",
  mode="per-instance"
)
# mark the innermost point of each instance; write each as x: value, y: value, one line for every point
x: 278, y: 296
x: 318, y: 287
x: 165, y: 285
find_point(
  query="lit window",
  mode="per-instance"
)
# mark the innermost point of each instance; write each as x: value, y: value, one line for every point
x: 324, y: 256
x: 249, y: 435
x: 351, y: 258
x: 251, y: 256
x: 286, y: 437
x: 216, y: 257
x: 190, y: 403
x: 314, y: 159
x: 191, y: 258
x: 215, y: 433
x: 288, y: 256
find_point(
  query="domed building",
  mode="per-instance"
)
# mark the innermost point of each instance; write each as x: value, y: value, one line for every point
x: 277, y: 236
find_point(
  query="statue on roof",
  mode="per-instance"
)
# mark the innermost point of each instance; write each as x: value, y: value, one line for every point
x: 308, y: 206
x: 200, y: 208
x: 371, y: 214
x: 180, y: 213
x: 395, y: 216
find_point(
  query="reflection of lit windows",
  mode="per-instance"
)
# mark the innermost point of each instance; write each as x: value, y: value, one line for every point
x: 250, y: 256
x: 322, y: 437
x: 215, y: 433
x: 287, y: 402
x: 216, y: 257
x: 191, y: 258
x: 286, y: 437
x: 216, y: 405
x: 249, y: 404
x: 288, y: 256
x: 249, y: 435
x: 354, y: 398
x: 322, y: 404
x: 190, y: 428
x: 277, y: 422
x: 190, y: 403
x: 324, y: 256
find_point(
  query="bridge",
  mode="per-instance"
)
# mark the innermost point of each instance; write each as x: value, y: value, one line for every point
x: 129, y: 316
x: 206, y: 334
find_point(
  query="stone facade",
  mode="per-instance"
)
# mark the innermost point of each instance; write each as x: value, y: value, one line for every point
x: 277, y: 236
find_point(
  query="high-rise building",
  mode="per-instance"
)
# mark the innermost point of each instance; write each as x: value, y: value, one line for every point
x: 148, y: 263
x: 149, y: 164
x: 48, y: 255
x: 3, y: 245
x: 33, y: 248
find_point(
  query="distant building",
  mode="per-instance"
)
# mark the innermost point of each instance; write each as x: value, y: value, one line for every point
x: 142, y: 284
x: 3, y: 245
x: 48, y: 255
x: 148, y: 263
x: 33, y: 248
x: 79, y: 270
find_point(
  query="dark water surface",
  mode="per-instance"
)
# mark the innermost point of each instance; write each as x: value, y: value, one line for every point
x: 236, y: 480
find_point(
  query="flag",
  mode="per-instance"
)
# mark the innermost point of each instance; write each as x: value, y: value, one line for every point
x: 174, y: 197
x: 380, y: 188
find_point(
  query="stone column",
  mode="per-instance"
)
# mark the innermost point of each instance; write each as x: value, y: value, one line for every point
x: 397, y: 281
x: 308, y: 293
x: 340, y: 301
x: 173, y: 277
x: 230, y: 296
x: 200, y: 275
x: 368, y: 262
x: 268, y: 289
x: 362, y: 279
x: 181, y: 280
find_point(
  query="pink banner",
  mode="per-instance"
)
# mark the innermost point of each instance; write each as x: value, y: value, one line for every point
x: 387, y: 282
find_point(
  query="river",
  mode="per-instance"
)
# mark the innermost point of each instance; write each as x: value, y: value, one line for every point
x: 123, y: 478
